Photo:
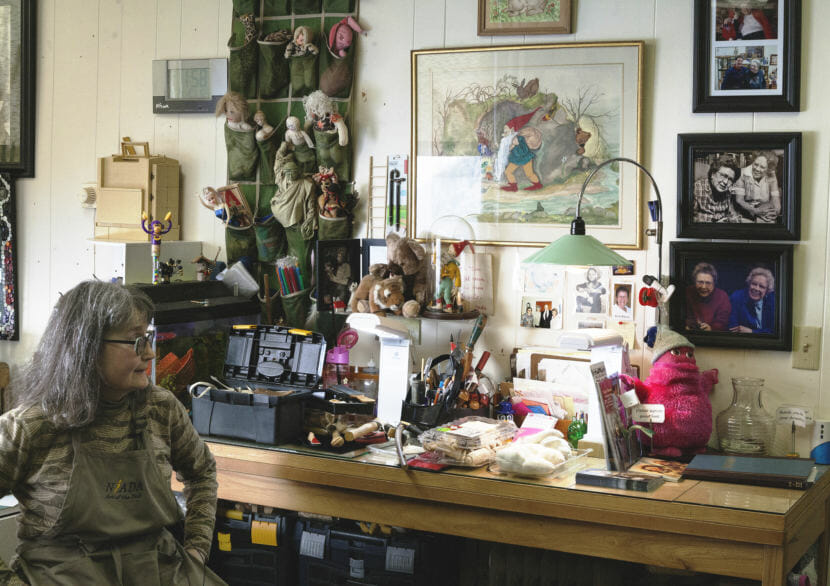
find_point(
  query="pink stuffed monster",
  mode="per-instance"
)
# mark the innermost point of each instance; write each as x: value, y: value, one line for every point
x: 676, y: 383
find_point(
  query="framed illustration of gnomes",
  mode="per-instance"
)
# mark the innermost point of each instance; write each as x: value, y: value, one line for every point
x: 505, y: 136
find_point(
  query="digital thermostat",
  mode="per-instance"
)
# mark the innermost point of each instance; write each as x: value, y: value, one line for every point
x: 188, y: 85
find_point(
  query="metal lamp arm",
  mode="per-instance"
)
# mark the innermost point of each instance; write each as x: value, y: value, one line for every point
x: 658, y: 216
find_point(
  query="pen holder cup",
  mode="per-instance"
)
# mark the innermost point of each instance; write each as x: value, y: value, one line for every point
x: 434, y: 415
x: 424, y: 415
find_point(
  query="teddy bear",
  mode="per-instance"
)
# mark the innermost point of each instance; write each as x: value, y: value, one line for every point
x: 676, y: 383
x: 379, y: 290
x: 412, y: 259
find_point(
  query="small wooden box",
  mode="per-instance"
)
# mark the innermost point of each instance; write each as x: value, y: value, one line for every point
x: 129, y: 184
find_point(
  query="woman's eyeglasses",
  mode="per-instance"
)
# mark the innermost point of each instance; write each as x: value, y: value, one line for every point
x: 139, y: 344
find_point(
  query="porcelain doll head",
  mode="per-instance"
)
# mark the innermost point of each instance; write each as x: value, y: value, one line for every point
x: 292, y: 123
x: 302, y: 35
x: 234, y: 106
x: 259, y: 118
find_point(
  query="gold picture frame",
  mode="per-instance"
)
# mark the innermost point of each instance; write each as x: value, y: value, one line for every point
x: 525, y: 17
x: 574, y: 104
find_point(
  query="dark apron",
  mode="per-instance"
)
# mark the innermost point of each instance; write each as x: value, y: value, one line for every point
x: 111, y: 528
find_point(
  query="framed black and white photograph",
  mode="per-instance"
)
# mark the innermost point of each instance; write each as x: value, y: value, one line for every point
x: 17, y: 87
x: 738, y: 297
x: 744, y: 186
x: 337, y: 265
x: 747, y: 56
x: 373, y: 252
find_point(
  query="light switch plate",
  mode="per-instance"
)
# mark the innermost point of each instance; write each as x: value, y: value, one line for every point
x: 806, y: 347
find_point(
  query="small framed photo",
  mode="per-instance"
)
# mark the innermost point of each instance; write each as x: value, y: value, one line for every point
x: 744, y: 186
x: 374, y: 251
x: 747, y: 56
x: 337, y: 271
x: 525, y: 17
x: 623, y: 306
x: 739, y: 297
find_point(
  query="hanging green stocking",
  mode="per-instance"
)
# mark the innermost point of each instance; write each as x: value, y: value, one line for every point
x: 306, y: 158
x: 270, y: 240
x: 295, y: 306
x: 334, y: 228
x: 242, y: 66
x: 267, y: 150
x: 240, y: 243
x: 303, y: 74
x: 306, y: 6
x: 336, y: 80
x: 300, y: 248
x: 273, y: 67
x: 243, y: 154
x: 331, y: 154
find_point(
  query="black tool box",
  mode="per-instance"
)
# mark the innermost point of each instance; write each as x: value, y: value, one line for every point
x: 331, y: 555
x: 279, y: 367
x: 252, y: 549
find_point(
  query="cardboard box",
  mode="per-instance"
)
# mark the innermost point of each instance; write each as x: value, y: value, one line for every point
x: 132, y: 183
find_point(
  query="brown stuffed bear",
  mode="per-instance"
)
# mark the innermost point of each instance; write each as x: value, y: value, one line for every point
x: 412, y: 259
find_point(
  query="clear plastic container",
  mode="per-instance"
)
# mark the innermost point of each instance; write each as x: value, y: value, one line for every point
x: 469, y: 441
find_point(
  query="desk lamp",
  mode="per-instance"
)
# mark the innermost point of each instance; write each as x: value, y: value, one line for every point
x: 393, y: 382
x: 578, y: 248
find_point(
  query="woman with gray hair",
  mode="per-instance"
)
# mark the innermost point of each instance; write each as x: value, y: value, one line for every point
x: 756, y: 78
x: 753, y: 307
x: 90, y: 450
x: 757, y: 196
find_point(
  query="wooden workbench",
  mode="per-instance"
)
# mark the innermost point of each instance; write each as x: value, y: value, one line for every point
x: 728, y: 529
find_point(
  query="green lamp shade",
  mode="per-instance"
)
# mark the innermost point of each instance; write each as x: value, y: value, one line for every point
x: 577, y: 249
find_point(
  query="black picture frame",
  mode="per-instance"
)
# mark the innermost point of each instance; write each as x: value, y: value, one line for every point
x: 370, y: 247
x: 733, y: 266
x: 713, y: 49
x: 748, y: 217
x: 17, y: 116
x: 329, y: 257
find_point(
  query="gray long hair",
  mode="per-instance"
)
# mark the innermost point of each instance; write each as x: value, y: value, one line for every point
x: 64, y: 374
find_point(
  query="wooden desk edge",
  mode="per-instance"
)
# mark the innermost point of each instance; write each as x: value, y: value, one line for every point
x: 756, y: 550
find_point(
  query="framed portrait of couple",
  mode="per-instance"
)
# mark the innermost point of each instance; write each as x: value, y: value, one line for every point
x: 738, y: 297
x: 747, y: 56
x: 744, y: 186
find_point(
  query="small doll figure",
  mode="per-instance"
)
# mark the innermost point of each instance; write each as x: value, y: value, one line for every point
x: 341, y: 36
x: 265, y: 130
x: 156, y: 230
x: 322, y: 115
x: 215, y: 202
x: 330, y: 202
x: 301, y: 45
x: 234, y: 106
x: 296, y: 135
x: 450, y: 281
